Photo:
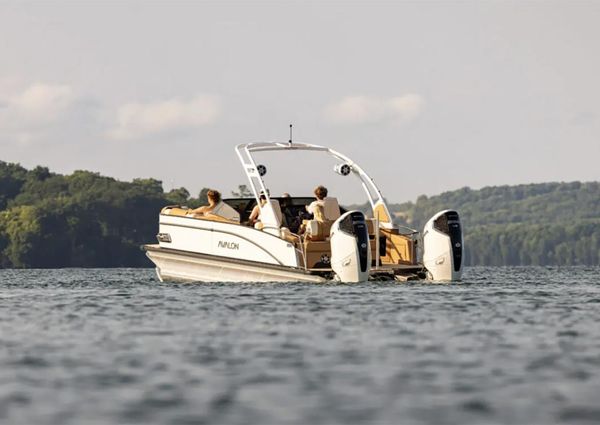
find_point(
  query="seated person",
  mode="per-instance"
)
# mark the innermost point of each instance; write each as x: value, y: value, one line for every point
x: 255, y: 218
x: 317, y: 229
x: 214, y: 197
x: 288, y: 218
x: 331, y: 209
x: 255, y: 214
x: 325, y: 210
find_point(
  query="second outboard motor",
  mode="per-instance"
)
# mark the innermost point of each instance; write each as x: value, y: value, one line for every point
x: 443, y: 246
x: 350, y: 248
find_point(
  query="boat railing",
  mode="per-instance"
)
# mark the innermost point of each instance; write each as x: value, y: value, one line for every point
x: 300, y: 249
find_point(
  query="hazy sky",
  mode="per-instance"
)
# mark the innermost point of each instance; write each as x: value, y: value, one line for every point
x: 426, y: 96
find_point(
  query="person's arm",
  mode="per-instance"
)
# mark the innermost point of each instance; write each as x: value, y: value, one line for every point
x: 203, y: 209
x: 254, y: 214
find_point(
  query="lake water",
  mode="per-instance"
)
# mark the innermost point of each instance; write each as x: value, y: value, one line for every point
x: 508, y: 345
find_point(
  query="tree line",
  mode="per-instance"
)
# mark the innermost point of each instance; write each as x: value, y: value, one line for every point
x: 88, y: 220
x: 79, y: 220
x: 531, y: 224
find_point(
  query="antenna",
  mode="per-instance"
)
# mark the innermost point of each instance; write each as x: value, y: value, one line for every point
x: 290, y: 141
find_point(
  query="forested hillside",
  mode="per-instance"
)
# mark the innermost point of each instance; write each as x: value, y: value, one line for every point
x: 88, y: 220
x: 80, y: 220
x: 538, y: 224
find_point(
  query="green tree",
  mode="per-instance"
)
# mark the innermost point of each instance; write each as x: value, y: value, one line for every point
x: 178, y: 196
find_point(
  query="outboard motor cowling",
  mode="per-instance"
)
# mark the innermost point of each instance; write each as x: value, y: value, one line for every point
x: 350, y: 248
x: 443, y: 246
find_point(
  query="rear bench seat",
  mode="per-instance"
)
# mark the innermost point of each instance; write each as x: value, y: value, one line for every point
x: 222, y: 213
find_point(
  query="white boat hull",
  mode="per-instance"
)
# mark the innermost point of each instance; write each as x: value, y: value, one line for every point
x: 179, y: 266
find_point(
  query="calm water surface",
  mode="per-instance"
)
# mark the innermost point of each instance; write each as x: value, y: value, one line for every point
x: 508, y: 345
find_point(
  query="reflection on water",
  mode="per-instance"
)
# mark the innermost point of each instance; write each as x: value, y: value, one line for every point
x: 508, y: 345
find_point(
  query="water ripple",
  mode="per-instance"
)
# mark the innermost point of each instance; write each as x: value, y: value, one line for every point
x: 508, y: 345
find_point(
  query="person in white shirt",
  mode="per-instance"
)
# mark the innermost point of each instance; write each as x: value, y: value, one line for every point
x: 325, y: 208
x: 320, y: 194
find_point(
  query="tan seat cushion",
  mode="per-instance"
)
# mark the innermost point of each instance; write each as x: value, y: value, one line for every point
x: 174, y: 211
x: 185, y: 212
x: 317, y: 230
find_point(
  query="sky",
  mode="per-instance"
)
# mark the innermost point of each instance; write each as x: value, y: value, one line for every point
x: 425, y: 96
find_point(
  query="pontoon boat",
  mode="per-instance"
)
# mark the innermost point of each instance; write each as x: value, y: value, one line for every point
x: 347, y: 246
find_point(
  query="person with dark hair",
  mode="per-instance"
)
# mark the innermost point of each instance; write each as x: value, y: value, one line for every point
x: 214, y: 197
x: 255, y: 214
x: 320, y: 193
x: 324, y: 208
x: 290, y: 220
